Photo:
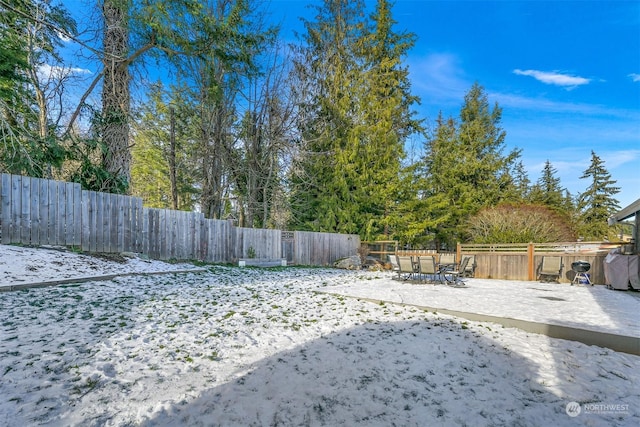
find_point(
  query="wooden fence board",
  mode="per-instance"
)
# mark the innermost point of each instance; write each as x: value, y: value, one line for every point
x: 93, y: 197
x: 45, y: 220
x: 34, y: 201
x: 77, y: 215
x: 111, y: 225
x: 180, y: 232
x: 61, y: 200
x: 158, y: 235
x: 118, y: 225
x: 137, y: 225
x: 25, y: 215
x: 5, y: 208
x: 16, y: 208
x: 53, y: 212
x: 99, y: 225
x: 69, y: 223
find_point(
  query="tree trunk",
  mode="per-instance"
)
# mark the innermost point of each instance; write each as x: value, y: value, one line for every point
x: 115, y: 91
x: 172, y: 160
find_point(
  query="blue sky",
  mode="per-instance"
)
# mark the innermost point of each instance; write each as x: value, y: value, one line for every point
x: 565, y: 73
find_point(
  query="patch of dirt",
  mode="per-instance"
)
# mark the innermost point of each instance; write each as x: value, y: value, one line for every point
x: 115, y: 257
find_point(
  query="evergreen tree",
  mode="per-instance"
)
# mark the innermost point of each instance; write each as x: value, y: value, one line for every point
x: 163, y: 169
x: 521, y: 182
x: 325, y: 70
x: 548, y: 191
x: 466, y: 168
x: 355, y: 116
x: 387, y: 120
x: 597, y: 203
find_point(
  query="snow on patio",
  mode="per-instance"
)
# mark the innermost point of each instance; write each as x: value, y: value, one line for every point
x: 587, y: 307
x: 242, y: 347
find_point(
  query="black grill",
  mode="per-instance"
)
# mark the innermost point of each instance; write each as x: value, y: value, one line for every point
x: 580, y: 266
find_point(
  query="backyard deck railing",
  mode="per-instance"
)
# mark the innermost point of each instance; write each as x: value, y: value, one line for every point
x: 36, y: 211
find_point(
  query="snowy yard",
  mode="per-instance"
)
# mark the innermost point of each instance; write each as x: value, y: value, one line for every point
x: 255, y: 347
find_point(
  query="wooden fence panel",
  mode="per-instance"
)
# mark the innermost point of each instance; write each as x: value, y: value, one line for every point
x: 218, y: 235
x: 99, y: 224
x: 24, y: 187
x: 36, y: 219
x: 70, y: 222
x: 46, y: 224
x: 87, y: 211
x: 5, y: 208
x: 257, y: 243
x: 137, y: 226
x: 77, y: 216
x: 493, y: 261
x: 146, y: 226
x: 323, y: 248
x: 114, y: 222
x: 52, y: 212
x: 16, y: 186
x: 151, y: 233
x: 61, y: 202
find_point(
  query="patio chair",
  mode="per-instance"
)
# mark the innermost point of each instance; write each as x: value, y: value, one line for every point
x: 395, y: 267
x: 470, y: 270
x: 406, y: 268
x: 453, y: 277
x: 427, y: 268
x: 550, y: 269
x: 447, y: 258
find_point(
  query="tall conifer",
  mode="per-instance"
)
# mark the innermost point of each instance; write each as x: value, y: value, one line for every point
x: 597, y: 203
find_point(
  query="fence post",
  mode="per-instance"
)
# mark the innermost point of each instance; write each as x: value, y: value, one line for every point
x: 530, y: 255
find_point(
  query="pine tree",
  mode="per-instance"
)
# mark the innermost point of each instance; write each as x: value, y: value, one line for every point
x: 325, y: 70
x: 466, y: 167
x: 521, y: 182
x: 597, y: 203
x: 156, y: 153
x: 548, y: 191
x: 356, y: 121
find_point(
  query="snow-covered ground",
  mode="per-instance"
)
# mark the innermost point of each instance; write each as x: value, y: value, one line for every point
x: 286, y: 347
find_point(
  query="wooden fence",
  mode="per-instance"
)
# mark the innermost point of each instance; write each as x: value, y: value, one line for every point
x: 37, y: 211
x: 522, y: 261
x: 519, y: 261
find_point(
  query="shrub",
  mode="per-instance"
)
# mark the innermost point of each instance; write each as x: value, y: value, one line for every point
x: 507, y: 223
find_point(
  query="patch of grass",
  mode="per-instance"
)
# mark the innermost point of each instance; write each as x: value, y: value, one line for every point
x: 86, y: 387
x: 214, y: 356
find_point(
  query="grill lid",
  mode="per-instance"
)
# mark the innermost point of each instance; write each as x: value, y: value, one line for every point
x: 580, y: 266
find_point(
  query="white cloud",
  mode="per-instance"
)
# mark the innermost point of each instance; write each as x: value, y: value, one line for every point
x: 635, y: 77
x: 46, y: 71
x: 64, y: 37
x: 554, y: 78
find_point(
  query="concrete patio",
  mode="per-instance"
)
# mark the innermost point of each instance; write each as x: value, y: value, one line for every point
x: 594, y: 315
